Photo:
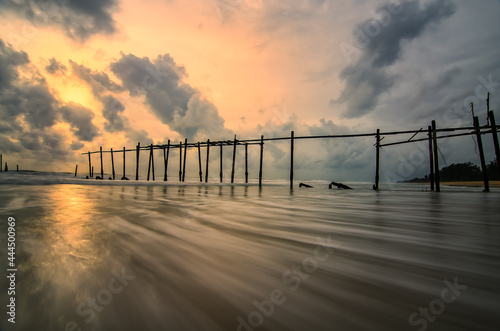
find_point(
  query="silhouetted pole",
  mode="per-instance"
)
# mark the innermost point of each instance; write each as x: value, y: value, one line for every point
x: 102, y: 168
x: 234, y: 160
x: 76, y: 170
x: 6, y: 166
x: 246, y: 163
x: 220, y: 173
x: 431, y: 158
x: 292, y: 136
x: 90, y: 167
x: 199, y: 162
x: 123, y: 162
x: 481, y: 154
x: 112, y: 164
x: 150, y: 159
x: 165, y: 161
x: 184, y: 165
x: 261, y: 157
x: 180, y: 161
x: 1, y: 162
x: 92, y: 173
x: 436, y: 159
x: 208, y: 159
x: 17, y: 167
x: 377, y: 160
x: 495, y: 137
x: 137, y: 161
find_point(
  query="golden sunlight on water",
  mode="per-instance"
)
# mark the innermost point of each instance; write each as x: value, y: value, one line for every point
x: 240, y: 258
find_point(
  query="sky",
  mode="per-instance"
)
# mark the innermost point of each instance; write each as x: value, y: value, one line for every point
x: 76, y: 75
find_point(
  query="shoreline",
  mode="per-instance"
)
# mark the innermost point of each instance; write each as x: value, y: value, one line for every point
x: 493, y: 183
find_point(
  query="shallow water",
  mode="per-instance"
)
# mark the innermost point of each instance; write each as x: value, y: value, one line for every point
x: 137, y: 257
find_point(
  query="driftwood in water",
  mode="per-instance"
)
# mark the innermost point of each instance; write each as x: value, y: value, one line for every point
x: 339, y: 185
x: 305, y: 185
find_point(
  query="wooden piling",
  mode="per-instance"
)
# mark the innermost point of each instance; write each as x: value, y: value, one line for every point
x: 1, y: 162
x: 495, y: 137
x: 199, y: 163
x: 102, y: 168
x: 112, y: 164
x: 377, y: 160
x: 220, y: 173
x: 481, y: 154
x: 234, y: 160
x: 261, y: 157
x: 246, y: 163
x: 184, y: 165
x: 17, y: 167
x: 149, y: 162
x: 436, y: 159
x: 208, y: 159
x: 123, y: 162
x: 431, y: 158
x: 90, y: 167
x: 292, y: 136
x: 76, y: 170
x: 137, y: 161
x: 92, y: 173
x: 180, y: 161
x: 165, y: 161
x: 6, y: 167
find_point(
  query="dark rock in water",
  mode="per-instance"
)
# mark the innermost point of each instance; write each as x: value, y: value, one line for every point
x: 98, y: 177
x: 305, y: 185
x: 339, y: 185
x: 110, y: 178
x: 86, y: 177
x: 124, y: 178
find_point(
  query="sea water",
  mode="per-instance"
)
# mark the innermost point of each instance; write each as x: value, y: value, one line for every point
x: 112, y: 255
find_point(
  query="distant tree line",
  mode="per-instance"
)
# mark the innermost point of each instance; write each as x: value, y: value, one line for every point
x: 463, y: 172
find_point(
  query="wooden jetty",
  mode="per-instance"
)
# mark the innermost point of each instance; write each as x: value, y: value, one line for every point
x: 433, y: 134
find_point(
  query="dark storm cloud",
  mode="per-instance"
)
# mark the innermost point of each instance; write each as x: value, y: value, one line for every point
x: 175, y: 103
x: 79, y: 19
x: 55, y: 67
x: 80, y: 119
x: 98, y: 81
x: 9, y: 60
x: 381, y: 46
x: 112, y: 111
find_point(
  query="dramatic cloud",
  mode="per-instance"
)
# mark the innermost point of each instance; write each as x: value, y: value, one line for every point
x: 98, y: 81
x: 382, y: 44
x: 80, y: 119
x: 175, y: 103
x: 77, y: 19
x: 9, y: 60
x: 55, y: 67
x: 112, y: 110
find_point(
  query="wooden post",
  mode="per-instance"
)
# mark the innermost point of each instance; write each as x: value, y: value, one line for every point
x: 436, y: 159
x: 292, y: 138
x: 17, y: 167
x: 246, y: 163
x: 377, y: 160
x: 150, y: 157
x: 123, y: 162
x: 431, y: 158
x: 6, y: 167
x: 180, y: 161
x: 199, y: 163
x: 261, y: 156
x: 495, y: 137
x: 234, y: 159
x: 102, y: 169
x: 90, y: 167
x: 153, y: 161
x: 1, y: 162
x: 112, y: 164
x: 137, y: 161
x: 208, y: 159
x: 92, y: 174
x: 184, y: 165
x: 76, y: 170
x: 165, y: 161
x: 481, y: 154
x: 220, y: 173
